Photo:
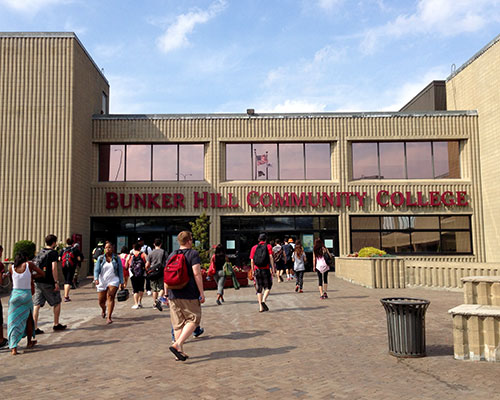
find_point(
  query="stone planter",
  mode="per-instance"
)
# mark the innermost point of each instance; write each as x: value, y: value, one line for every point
x: 372, y: 272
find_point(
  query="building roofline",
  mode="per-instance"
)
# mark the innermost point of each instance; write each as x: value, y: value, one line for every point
x: 436, y: 82
x: 377, y: 114
x: 70, y: 35
x: 474, y: 57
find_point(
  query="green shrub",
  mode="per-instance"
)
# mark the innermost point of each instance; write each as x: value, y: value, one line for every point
x: 26, y: 246
x: 371, y: 252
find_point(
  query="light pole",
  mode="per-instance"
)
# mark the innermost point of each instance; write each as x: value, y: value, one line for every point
x: 119, y: 165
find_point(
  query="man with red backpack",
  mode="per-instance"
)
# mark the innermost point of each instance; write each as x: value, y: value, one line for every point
x: 261, y: 257
x: 182, y: 277
x: 70, y: 258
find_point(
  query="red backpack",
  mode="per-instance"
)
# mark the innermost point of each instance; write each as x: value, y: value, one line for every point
x: 68, y: 258
x: 175, y: 274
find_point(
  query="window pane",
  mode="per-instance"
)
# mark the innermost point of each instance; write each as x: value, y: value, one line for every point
x: 419, y: 160
x: 138, y: 162
x: 291, y: 161
x: 364, y: 239
x: 164, y: 162
x: 328, y: 223
x: 455, y: 222
x: 395, y: 223
x: 265, y: 161
x: 457, y: 242
x: 306, y: 223
x: 238, y: 162
x: 364, y: 161
x: 252, y: 223
x: 426, y: 242
x: 446, y: 159
x: 396, y: 242
x: 191, y: 162
x: 424, y: 222
x: 111, y: 162
x: 392, y: 160
x: 230, y: 224
x: 280, y: 223
x: 318, y: 161
x: 365, y: 223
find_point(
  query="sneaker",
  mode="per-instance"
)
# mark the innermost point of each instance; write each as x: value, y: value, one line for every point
x: 301, y: 291
x: 163, y: 300
x: 149, y: 292
x: 38, y: 331
x: 59, y: 327
x: 157, y: 305
x: 135, y: 307
x: 322, y: 297
x: 218, y: 302
x: 140, y: 305
x: 297, y: 288
x: 3, y: 342
x: 66, y: 299
x: 325, y: 295
x: 198, y: 332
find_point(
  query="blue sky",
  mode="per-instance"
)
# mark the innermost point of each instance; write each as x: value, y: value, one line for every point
x: 209, y: 56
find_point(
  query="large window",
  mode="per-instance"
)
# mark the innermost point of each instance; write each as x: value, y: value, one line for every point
x: 278, y: 161
x: 151, y: 162
x: 405, y: 160
x: 444, y: 234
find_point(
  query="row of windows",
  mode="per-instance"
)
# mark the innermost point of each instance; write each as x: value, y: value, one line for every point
x: 405, y: 160
x: 279, y: 161
x: 447, y: 234
x: 151, y: 162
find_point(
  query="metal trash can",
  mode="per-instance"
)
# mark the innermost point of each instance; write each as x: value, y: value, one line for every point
x: 406, y: 325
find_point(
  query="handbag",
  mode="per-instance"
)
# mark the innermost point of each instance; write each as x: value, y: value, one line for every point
x: 321, y: 265
x: 228, y: 269
x: 211, y: 268
x: 122, y: 295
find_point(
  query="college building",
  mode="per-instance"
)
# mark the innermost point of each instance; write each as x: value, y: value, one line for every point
x: 418, y: 183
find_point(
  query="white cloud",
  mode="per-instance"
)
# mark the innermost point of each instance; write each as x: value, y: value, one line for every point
x: 329, y: 4
x: 445, y: 17
x: 292, y: 106
x: 176, y: 35
x: 31, y: 6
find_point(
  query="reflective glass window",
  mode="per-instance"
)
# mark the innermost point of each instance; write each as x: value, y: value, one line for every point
x: 265, y: 159
x: 455, y: 222
x: 364, y: 161
x: 456, y: 242
x: 138, y: 162
x: 191, y: 162
x: 392, y: 160
x: 364, y: 239
x: 291, y: 159
x: 425, y: 242
x: 238, y: 162
x: 111, y: 162
x: 280, y: 223
x: 318, y: 160
x: 329, y: 223
x: 306, y: 223
x: 396, y: 242
x: 164, y: 162
x: 419, y: 160
x: 446, y: 159
x: 424, y: 222
x: 365, y: 223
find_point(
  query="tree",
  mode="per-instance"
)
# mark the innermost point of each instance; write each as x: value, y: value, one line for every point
x: 25, y: 246
x: 200, y: 228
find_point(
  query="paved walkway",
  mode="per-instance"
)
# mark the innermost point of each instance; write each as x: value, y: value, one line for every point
x: 304, y: 348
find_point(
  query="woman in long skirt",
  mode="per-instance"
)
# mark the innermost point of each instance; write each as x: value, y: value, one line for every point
x: 20, y: 319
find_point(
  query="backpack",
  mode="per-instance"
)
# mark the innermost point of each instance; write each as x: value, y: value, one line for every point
x: 278, y: 255
x: 41, y: 258
x: 137, y: 265
x: 156, y: 271
x: 68, y: 258
x: 97, y: 252
x: 261, y: 256
x: 175, y: 274
x: 288, y: 249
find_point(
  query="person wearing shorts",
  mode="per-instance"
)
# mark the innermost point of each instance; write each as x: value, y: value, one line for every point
x: 157, y: 259
x: 185, y: 303
x: 262, y: 274
x: 47, y: 288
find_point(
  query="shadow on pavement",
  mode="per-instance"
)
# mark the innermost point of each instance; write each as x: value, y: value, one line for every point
x: 7, y: 378
x: 241, y: 335
x: 350, y: 297
x: 43, y: 347
x: 296, y: 309
x: 439, y: 350
x: 243, y: 353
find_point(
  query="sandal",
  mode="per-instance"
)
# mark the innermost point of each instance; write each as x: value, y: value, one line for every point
x: 179, y: 354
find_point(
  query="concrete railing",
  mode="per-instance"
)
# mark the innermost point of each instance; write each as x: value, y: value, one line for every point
x: 373, y: 272
x: 446, y: 275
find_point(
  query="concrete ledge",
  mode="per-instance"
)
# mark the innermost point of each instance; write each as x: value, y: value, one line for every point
x: 483, y: 290
x: 476, y: 332
x: 373, y: 272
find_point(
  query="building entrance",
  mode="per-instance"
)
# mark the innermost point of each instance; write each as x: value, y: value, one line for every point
x: 239, y: 234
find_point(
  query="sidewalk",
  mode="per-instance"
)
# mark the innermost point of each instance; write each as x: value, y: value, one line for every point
x: 304, y: 348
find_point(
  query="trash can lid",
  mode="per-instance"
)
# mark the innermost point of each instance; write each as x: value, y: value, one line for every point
x: 404, y: 301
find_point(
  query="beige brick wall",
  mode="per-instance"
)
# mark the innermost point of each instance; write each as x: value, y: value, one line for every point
x: 476, y: 87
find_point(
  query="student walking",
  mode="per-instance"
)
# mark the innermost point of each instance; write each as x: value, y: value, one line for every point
x: 124, y: 256
x: 69, y: 259
x: 3, y: 274
x: 261, y: 260
x: 20, y: 320
x: 108, y: 277
x: 299, y: 260
x: 219, y: 259
x: 137, y: 264
x: 321, y: 267
x: 154, y: 269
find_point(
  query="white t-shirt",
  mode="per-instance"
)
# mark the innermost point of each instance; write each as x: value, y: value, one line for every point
x: 107, y: 277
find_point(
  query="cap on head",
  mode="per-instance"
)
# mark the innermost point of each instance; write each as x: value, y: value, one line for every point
x: 100, y: 243
x: 262, y: 237
x: 140, y: 239
x: 290, y: 240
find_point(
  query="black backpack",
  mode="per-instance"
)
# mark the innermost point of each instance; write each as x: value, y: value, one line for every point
x: 41, y: 258
x: 155, y: 272
x: 261, y: 256
x: 137, y: 265
x: 288, y: 249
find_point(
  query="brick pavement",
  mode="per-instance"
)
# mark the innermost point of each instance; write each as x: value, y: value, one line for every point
x: 304, y: 348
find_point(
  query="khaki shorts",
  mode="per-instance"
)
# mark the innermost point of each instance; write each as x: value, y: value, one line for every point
x: 157, y: 285
x: 183, y: 311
